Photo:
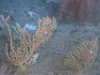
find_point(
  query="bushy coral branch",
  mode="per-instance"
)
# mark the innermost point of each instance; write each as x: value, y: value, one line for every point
x: 26, y: 46
x: 83, y: 57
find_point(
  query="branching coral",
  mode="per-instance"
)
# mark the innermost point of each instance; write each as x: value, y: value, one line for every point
x: 83, y: 57
x: 17, y: 31
x: 20, y: 54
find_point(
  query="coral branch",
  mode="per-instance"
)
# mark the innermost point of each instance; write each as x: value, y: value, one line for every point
x: 83, y: 57
x: 21, y: 53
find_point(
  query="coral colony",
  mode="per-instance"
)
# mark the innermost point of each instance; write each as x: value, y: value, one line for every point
x: 27, y: 44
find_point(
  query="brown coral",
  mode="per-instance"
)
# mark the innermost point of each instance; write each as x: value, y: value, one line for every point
x: 81, y: 10
x: 83, y: 57
x: 27, y: 45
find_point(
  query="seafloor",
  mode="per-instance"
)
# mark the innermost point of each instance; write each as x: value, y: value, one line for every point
x: 52, y: 54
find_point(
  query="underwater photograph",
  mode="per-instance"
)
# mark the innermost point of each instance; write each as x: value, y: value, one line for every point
x: 49, y: 37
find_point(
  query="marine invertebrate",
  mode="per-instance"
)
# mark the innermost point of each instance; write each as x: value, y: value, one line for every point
x: 83, y: 57
x: 77, y: 10
x: 27, y: 44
